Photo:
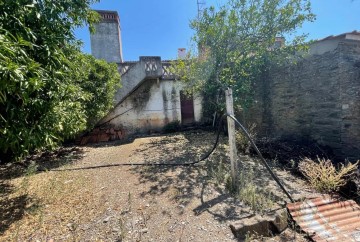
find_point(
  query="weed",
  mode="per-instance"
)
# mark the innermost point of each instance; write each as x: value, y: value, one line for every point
x: 122, y: 233
x: 229, y: 184
x: 129, y: 201
x: 248, y: 192
x: 257, y: 199
x: 292, y: 164
x: 175, y: 193
x: 251, y: 237
x: 323, y: 176
x: 242, y: 142
x: 219, y: 172
x: 275, y: 162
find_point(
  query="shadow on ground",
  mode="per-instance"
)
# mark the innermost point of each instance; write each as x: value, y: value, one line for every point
x: 14, y: 201
x: 184, y: 184
x: 41, y: 162
x: 14, y: 205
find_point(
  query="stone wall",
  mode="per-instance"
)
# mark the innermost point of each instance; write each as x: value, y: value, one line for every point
x: 316, y: 99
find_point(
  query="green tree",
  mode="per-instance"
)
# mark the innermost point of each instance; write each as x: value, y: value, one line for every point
x: 236, y: 43
x: 41, y: 101
x: 99, y: 81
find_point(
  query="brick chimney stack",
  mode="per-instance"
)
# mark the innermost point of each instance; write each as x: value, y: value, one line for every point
x: 106, y: 41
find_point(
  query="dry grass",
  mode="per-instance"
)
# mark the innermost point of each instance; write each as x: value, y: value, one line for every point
x: 47, y: 192
x: 323, y: 176
x: 130, y: 203
x: 258, y: 199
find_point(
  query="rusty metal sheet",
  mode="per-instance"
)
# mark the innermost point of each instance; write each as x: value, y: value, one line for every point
x: 328, y: 219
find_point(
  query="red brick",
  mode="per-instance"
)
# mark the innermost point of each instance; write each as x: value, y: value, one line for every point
x: 93, y: 139
x: 95, y: 131
x: 103, y: 138
x: 112, y: 131
x: 119, y: 134
x: 84, y: 140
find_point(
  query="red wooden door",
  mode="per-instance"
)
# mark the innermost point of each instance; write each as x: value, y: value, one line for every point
x: 187, y: 109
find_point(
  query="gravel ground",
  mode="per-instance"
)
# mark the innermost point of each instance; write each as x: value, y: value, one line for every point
x: 132, y: 203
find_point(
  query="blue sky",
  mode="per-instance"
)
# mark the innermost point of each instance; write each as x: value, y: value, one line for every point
x: 160, y: 27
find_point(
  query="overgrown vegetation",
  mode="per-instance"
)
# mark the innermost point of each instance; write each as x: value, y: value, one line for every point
x: 49, y: 91
x: 242, y: 142
x: 99, y: 81
x: 252, y: 195
x: 234, y: 45
x: 247, y: 191
x: 323, y: 176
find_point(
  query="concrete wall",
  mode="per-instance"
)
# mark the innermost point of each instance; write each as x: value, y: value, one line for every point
x: 318, y: 99
x: 106, y: 41
x: 198, y: 108
x: 151, y: 106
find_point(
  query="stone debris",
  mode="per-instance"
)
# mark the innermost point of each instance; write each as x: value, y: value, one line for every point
x: 107, y: 219
x: 267, y: 225
x: 145, y: 230
x: 71, y: 226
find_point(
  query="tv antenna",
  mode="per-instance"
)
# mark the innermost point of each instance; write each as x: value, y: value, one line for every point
x: 200, y: 6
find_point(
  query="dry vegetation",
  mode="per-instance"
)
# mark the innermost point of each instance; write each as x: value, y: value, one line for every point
x: 323, y: 175
x: 136, y: 203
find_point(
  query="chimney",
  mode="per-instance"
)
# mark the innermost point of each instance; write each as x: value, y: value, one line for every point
x: 106, y: 41
x: 181, y: 53
x: 279, y: 42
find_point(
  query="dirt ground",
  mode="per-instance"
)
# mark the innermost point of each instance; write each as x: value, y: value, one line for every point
x: 134, y: 203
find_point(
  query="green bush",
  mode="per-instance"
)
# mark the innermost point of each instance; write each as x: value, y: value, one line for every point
x: 99, y: 81
x: 49, y: 91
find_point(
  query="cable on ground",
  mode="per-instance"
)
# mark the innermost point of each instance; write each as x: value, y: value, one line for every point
x: 197, y: 161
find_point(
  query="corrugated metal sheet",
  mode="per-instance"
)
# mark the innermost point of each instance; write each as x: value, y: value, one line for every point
x: 328, y: 219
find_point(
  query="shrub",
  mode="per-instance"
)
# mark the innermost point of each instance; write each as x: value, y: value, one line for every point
x: 323, y: 176
x: 99, y: 81
x: 242, y: 142
x: 49, y: 91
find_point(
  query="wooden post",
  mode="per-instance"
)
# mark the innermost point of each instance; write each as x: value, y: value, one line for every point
x: 231, y: 132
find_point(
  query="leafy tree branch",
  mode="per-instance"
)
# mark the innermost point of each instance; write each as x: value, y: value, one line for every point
x: 236, y: 44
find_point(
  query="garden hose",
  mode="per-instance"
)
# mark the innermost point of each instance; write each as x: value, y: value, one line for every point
x: 261, y: 157
x: 197, y: 161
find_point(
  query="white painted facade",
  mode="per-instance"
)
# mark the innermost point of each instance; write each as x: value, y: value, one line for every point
x: 149, y: 97
x: 150, y: 107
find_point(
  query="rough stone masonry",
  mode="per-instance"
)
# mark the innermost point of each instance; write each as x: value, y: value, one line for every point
x: 318, y: 98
